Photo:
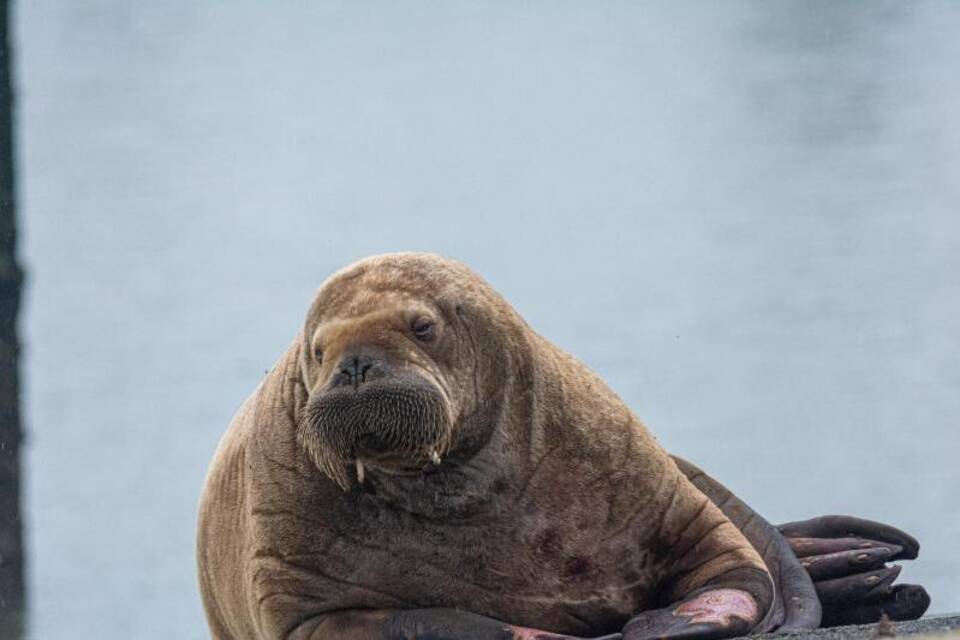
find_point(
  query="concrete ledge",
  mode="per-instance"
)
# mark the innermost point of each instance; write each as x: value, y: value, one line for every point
x: 940, y: 627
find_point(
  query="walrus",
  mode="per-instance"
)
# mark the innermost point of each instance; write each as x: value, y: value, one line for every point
x: 421, y: 464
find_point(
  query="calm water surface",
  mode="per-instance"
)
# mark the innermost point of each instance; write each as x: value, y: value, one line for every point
x: 743, y: 215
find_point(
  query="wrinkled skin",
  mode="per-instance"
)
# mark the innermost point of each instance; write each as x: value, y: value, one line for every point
x: 832, y: 559
x: 421, y: 464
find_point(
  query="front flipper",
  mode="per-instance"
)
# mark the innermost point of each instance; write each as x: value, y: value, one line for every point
x: 709, y: 615
x: 796, y: 605
x: 419, y: 624
x: 716, y: 583
x: 845, y: 556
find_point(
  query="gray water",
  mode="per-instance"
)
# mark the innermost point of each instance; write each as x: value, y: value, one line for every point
x: 742, y: 215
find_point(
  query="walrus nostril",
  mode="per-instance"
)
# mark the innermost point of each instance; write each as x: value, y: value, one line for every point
x: 354, y: 369
x: 349, y: 369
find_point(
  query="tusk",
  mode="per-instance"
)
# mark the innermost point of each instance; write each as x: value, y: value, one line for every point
x: 359, y: 472
x: 434, y: 456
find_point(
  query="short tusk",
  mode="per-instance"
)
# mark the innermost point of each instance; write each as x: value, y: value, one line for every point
x: 359, y: 472
x: 434, y: 456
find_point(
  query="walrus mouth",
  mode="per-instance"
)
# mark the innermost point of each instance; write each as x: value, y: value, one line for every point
x: 389, y: 424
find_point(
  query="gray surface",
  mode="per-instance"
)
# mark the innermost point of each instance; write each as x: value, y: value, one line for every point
x: 743, y: 215
x: 929, y: 625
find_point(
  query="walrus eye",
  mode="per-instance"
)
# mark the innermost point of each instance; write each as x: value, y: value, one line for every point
x: 318, y: 354
x: 423, y: 328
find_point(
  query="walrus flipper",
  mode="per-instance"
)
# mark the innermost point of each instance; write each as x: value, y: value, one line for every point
x: 846, y: 558
x: 423, y: 624
x: 725, y: 608
x: 713, y: 584
x: 796, y: 605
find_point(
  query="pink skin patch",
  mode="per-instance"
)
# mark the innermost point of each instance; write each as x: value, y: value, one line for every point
x: 526, y: 633
x: 719, y: 605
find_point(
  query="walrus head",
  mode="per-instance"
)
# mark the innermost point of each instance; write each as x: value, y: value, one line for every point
x: 391, y: 364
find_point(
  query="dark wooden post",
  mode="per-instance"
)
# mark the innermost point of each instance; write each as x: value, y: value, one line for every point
x: 11, y: 529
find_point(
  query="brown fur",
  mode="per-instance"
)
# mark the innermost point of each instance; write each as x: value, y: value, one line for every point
x: 553, y: 507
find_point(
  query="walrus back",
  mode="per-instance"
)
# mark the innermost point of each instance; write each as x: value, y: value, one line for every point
x: 227, y: 531
x: 220, y: 533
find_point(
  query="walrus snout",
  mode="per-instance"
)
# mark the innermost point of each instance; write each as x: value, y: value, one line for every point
x: 395, y: 420
x: 359, y: 365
